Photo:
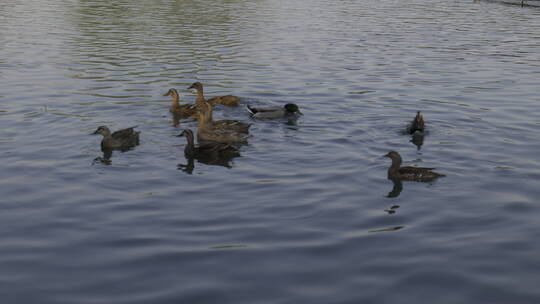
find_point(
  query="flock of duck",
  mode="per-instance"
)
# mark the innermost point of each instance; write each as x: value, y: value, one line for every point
x: 219, y: 140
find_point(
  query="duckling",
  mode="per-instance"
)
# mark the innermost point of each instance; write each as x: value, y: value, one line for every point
x: 223, y: 124
x: 184, y: 110
x: 205, y: 133
x: 289, y: 109
x: 123, y: 140
x: 227, y: 100
x: 408, y: 173
x: 416, y: 126
x: 208, y: 150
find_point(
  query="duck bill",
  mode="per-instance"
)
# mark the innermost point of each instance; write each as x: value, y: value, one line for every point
x: 94, y: 133
x: 191, y: 87
x: 300, y: 113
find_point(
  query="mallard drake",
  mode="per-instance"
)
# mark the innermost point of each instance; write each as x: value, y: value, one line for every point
x: 417, y: 124
x: 287, y: 110
x: 207, y: 150
x: 120, y: 140
x: 222, y: 124
x: 409, y: 173
x: 228, y: 100
x: 205, y: 133
x: 184, y: 110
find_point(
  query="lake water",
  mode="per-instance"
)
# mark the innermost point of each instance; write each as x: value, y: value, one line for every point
x: 306, y: 214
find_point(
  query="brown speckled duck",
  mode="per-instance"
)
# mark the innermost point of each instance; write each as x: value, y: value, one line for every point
x: 228, y: 100
x: 123, y: 140
x: 417, y: 125
x: 185, y: 110
x: 206, y: 133
x: 222, y: 124
x: 408, y: 173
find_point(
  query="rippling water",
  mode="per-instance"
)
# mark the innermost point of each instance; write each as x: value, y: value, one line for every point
x: 306, y: 213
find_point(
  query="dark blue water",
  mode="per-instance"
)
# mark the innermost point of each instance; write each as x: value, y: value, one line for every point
x: 306, y: 214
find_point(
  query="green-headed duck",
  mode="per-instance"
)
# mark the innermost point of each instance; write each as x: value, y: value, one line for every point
x: 287, y: 110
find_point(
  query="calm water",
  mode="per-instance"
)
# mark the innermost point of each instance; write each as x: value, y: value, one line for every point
x: 305, y: 214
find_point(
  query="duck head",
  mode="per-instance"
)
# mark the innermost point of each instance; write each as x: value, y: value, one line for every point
x: 103, y: 130
x: 392, y: 154
x: 291, y: 108
x: 196, y: 85
x: 171, y: 92
x: 186, y: 133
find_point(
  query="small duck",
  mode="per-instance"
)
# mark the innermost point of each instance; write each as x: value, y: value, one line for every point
x: 408, y: 173
x: 208, y: 150
x: 185, y: 110
x: 223, y: 124
x: 206, y: 133
x: 227, y: 100
x: 417, y: 126
x: 289, y: 109
x: 123, y: 140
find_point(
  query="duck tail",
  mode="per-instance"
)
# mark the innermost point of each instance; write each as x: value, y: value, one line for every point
x: 250, y: 110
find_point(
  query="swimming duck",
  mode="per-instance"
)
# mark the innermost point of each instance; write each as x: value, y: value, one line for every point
x: 222, y: 124
x: 417, y: 124
x: 228, y: 100
x: 274, y: 112
x: 207, y: 150
x: 184, y: 110
x: 206, y: 133
x: 120, y: 140
x: 409, y: 173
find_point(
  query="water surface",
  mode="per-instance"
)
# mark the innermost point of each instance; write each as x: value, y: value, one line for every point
x: 306, y: 213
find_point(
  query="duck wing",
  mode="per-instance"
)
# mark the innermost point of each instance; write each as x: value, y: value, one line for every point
x: 221, y: 136
x: 184, y: 110
x: 269, y: 112
x: 217, y: 149
x: 124, y: 133
x: 228, y: 100
x: 418, y: 174
x: 126, y: 138
x: 233, y: 125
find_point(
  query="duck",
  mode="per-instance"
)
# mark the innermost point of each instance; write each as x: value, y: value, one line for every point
x: 207, y: 150
x: 184, y: 110
x: 206, y: 133
x: 123, y: 140
x: 289, y: 109
x: 408, y: 173
x: 227, y: 100
x: 417, y: 125
x: 223, y: 124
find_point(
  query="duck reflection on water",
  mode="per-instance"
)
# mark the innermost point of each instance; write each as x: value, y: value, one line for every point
x: 210, y: 153
x: 396, y: 189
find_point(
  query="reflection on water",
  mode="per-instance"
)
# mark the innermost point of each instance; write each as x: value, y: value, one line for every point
x: 106, y: 158
x: 392, y: 209
x: 396, y: 189
x: 223, y: 160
